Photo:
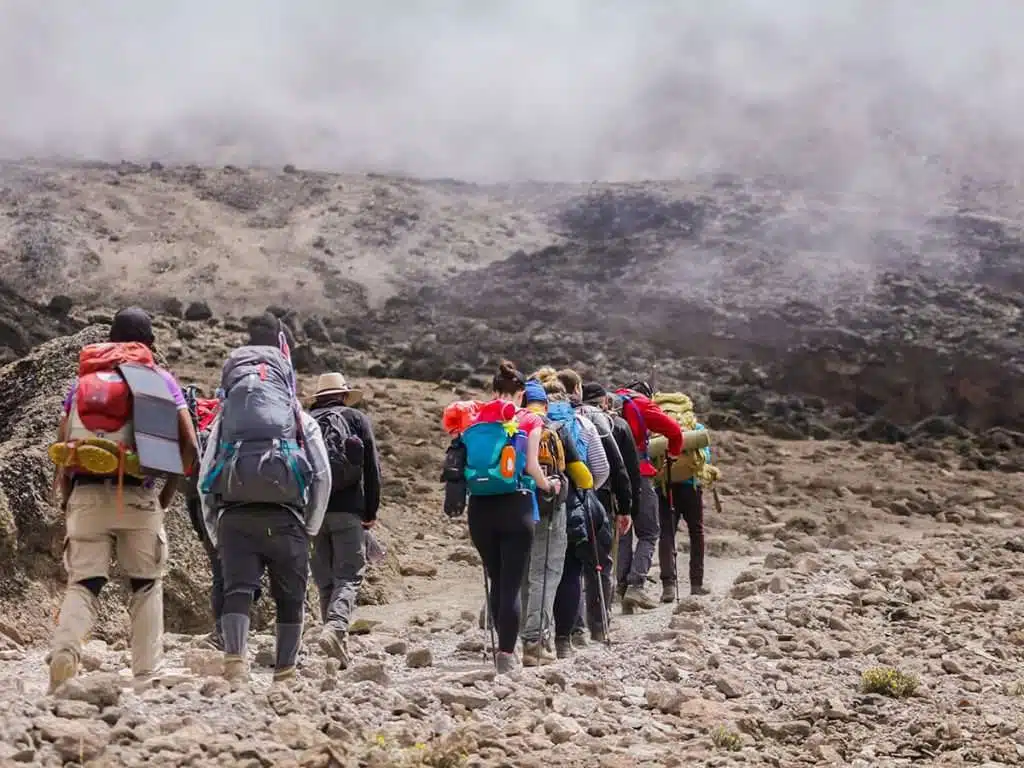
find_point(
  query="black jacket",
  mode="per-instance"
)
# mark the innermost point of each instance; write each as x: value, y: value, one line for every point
x: 619, y: 484
x: 623, y: 436
x: 362, y: 499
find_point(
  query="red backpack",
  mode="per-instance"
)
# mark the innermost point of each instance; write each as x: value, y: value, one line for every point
x: 100, y: 439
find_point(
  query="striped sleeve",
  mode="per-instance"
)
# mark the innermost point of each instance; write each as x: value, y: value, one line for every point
x: 597, y: 459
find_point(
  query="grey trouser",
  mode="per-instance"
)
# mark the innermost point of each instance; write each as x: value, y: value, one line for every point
x: 633, y: 566
x: 338, y: 566
x: 547, y: 555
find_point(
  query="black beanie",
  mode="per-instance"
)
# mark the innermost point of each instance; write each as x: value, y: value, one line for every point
x: 592, y: 391
x: 132, y: 324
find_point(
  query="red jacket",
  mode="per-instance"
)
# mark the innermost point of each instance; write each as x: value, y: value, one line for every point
x: 652, y: 419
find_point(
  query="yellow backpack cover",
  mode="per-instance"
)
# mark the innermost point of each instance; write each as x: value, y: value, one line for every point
x: 690, y: 464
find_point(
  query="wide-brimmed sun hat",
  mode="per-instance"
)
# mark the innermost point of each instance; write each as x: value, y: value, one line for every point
x: 334, y: 383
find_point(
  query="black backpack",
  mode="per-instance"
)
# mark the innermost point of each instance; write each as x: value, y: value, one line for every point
x: 345, y: 450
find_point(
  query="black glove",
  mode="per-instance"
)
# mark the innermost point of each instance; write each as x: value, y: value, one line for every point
x: 454, y: 462
x: 455, y: 497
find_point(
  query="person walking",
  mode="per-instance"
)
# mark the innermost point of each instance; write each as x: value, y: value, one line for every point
x: 503, y: 470
x: 643, y: 416
x: 547, y: 556
x: 265, y: 482
x: 338, y: 560
x: 113, y: 509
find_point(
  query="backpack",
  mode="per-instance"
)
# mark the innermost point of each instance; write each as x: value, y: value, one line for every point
x: 203, y: 411
x: 495, y: 458
x: 551, y: 453
x: 453, y: 475
x: 345, y: 450
x: 564, y: 414
x: 260, y: 456
x: 690, y: 465
x: 100, y: 434
x: 628, y: 406
x: 599, y: 418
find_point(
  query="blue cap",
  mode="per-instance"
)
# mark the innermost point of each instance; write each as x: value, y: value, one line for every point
x: 535, y: 392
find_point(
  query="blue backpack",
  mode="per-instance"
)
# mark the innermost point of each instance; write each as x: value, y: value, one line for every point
x: 565, y: 414
x: 495, y: 458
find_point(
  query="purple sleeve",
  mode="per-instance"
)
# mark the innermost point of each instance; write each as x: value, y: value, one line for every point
x: 69, y: 398
x: 174, y: 388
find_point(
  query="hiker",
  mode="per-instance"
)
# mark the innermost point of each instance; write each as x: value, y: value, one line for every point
x: 502, y: 509
x: 596, y: 399
x: 582, y: 508
x: 547, y: 556
x: 338, y: 560
x: 616, y: 497
x: 643, y: 417
x: 112, y: 507
x: 264, y: 482
x: 202, y: 411
x: 596, y: 396
x: 681, y: 496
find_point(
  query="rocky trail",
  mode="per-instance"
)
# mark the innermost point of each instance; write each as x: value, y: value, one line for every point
x: 861, y: 375
x: 829, y: 562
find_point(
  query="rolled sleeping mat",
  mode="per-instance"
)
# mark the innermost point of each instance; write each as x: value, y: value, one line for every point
x: 695, y: 439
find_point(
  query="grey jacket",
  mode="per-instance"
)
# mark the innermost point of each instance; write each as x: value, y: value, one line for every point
x: 312, y: 517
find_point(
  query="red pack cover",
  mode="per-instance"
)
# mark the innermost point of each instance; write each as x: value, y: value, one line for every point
x: 103, y: 399
x: 459, y: 415
x: 206, y: 412
x: 106, y: 356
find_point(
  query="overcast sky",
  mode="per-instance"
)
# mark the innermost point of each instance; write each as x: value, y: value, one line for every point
x: 865, y: 96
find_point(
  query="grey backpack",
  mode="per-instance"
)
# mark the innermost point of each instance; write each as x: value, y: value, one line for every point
x: 261, y: 457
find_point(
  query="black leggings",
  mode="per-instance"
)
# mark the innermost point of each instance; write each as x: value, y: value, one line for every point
x: 501, y: 528
x: 568, y: 597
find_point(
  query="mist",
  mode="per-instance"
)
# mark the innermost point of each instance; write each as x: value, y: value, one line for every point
x: 864, y: 95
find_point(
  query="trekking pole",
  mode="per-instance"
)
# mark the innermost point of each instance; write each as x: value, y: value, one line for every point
x: 600, y: 582
x: 718, y: 501
x: 675, y: 519
x: 615, y: 558
x: 490, y: 618
x: 544, y: 586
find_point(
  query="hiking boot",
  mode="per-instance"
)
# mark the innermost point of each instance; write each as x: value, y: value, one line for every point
x: 235, y: 670
x: 63, y: 666
x: 280, y: 697
x: 598, y: 636
x: 505, y: 663
x: 563, y: 647
x: 282, y: 676
x: 334, y: 644
x: 699, y: 590
x: 636, y: 597
x: 536, y: 655
x: 668, y: 592
x: 578, y: 639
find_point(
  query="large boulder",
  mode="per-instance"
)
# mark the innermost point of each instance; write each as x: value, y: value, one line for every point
x: 32, y: 529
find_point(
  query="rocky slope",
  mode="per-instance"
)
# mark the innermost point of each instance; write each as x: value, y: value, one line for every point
x: 790, y: 309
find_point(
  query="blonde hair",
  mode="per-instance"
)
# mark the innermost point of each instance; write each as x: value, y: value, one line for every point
x: 553, y: 387
x: 570, y: 380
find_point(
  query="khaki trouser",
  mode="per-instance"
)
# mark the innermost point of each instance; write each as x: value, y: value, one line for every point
x: 97, y: 529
